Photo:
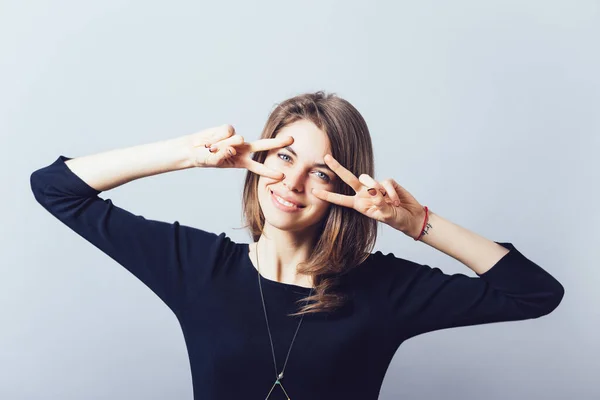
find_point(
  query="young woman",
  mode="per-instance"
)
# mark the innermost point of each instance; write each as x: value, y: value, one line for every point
x: 305, y: 311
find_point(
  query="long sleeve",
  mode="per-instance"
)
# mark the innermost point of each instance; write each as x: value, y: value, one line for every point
x: 171, y: 259
x: 422, y: 299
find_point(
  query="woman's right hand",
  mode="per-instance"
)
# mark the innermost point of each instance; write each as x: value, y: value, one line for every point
x: 220, y: 147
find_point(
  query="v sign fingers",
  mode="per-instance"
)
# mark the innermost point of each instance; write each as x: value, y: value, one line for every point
x: 265, y: 145
x: 241, y: 156
x: 387, y: 202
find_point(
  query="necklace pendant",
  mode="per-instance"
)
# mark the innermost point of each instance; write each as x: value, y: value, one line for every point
x: 277, y: 382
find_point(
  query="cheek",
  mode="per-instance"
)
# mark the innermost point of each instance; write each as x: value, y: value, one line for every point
x: 274, y: 165
x: 263, y: 182
x: 321, y: 205
x: 271, y: 159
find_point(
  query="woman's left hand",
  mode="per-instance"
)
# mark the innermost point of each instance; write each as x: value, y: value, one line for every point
x: 387, y: 201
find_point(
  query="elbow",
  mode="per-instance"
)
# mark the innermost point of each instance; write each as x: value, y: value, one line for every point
x: 560, y: 293
x: 553, y: 301
x: 37, y: 186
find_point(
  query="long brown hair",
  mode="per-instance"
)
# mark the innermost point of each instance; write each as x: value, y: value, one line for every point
x: 347, y: 236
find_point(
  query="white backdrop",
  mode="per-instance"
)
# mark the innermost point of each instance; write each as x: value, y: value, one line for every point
x: 487, y: 112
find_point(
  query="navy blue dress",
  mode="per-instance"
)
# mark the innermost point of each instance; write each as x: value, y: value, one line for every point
x: 210, y: 284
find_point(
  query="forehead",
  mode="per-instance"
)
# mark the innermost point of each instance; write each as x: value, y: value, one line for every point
x: 309, y: 140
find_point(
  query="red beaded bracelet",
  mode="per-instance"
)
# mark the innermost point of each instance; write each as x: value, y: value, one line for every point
x: 424, y: 223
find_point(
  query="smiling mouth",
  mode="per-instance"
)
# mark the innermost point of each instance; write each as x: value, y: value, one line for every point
x: 285, y: 203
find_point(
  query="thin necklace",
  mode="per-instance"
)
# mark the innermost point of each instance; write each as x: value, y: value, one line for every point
x: 278, y: 377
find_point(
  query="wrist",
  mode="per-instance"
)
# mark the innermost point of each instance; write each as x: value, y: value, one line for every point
x: 186, y: 153
x: 420, y: 224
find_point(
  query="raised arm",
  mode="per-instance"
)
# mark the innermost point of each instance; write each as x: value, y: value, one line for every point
x: 173, y: 260
x: 109, y: 169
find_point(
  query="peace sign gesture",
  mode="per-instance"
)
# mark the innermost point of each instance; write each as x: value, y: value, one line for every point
x: 221, y: 147
x: 387, y: 201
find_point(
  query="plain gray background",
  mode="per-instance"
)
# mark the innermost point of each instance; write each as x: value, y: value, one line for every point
x: 486, y: 111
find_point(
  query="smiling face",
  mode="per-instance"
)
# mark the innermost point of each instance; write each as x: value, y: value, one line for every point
x: 303, y: 171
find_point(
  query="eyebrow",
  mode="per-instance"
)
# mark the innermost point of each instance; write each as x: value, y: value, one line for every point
x: 320, y: 165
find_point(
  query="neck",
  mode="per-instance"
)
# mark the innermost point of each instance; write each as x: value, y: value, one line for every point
x: 280, y: 252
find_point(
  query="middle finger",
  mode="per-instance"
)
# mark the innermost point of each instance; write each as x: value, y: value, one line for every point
x: 270, y: 143
x: 261, y: 169
x: 342, y: 172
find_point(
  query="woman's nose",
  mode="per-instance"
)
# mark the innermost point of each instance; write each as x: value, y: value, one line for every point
x: 293, y: 180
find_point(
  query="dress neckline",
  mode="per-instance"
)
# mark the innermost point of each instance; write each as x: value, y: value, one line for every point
x: 288, y: 286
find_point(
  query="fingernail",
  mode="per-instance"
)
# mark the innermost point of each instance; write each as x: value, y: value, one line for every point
x: 207, y: 145
x: 212, y: 149
x: 397, y: 203
x: 372, y: 192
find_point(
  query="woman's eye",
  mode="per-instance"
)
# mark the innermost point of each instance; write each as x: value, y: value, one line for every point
x: 323, y: 176
x: 281, y: 154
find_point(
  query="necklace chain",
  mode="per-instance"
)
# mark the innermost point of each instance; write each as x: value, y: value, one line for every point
x: 278, y: 376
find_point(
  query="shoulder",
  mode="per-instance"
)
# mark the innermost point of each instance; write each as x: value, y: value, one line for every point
x: 207, y: 245
x: 381, y: 268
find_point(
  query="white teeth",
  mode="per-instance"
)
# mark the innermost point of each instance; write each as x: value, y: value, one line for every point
x: 282, y: 201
